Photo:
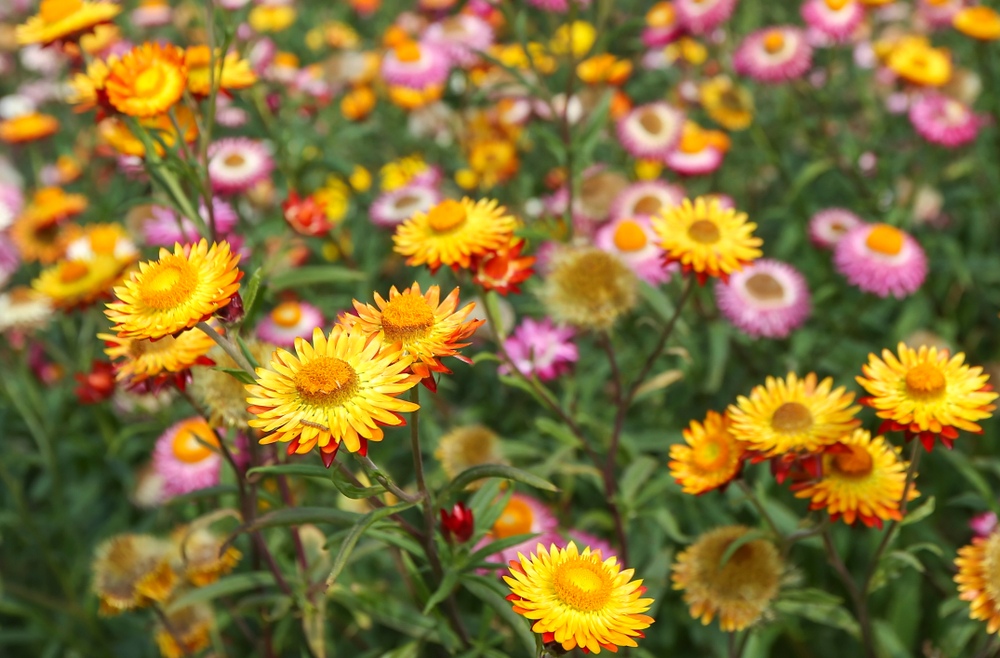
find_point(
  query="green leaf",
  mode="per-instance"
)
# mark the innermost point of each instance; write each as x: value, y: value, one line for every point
x: 353, y: 492
x: 252, y: 297
x: 636, y: 475
x: 306, y: 470
x: 476, y: 473
x: 739, y: 542
x: 225, y: 586
x: 298, y: 516
x: 920, y: 513
x: 448, y: 583
x: 355, y: 534
x: 816, y: 606
x: 488, y: 590
x: 207, y: 492
x: 239, y: 374
x: 313, y: 274
x: 497, y: 546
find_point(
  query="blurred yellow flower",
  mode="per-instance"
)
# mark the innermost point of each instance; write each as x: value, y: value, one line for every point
x: 64, y: 20
x: 271, y: 18
x: 360, y: 179
x: 28, y: 128
x: 576, y: 38
x: 398, y: 173
x: 915, y: 60
x: 979, y: 22
x: 335, y: 199
x: 728, y: 104
x: 231, y: 71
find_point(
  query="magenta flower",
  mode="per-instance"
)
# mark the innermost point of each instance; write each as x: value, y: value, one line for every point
x: 774, y: 54
x: 164, y: 228
x: 836, y: 20
x: 187, y: 457
x: 944, y: 121
x: 635, y: 243
x: 882, y: 260
x: 416, y: 65
x: 540, y: 348
x: 289, y: 320
x: 558, y: 7
x: 766, y: 299
x: 462, y: 37
x: 646, y: 199
x: 651, y: 130
x: 983, y: 524
x: 827, y: 227
x: 701, y: 16
x: 397, y: 206
x: 235, y: 164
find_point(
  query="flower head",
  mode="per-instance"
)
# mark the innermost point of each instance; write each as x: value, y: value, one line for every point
x: 222, y: 395
x: 702, y: 16
x: 740, y: 591
x: 416, y: 65
x: 79, y: 282
x: 828, y: 226
x: 979, y: 22
x: 289, y: 320
x: 766, y: 298
x: 589, y: 288
x: 189, y: 632
x: 927, y: 393
x: 646, y: 199
x: 457, y: 525
x: 710, y: 456
x: 837, y: 19
x: 881, y: 259
x: 977, y: 580
x: 915, y: 60
x: 504, y: 269
x: 728, y: 104
x: 147, y: 81
x: 699, y: 152
x: 467, y: 446
x: 235, y: 164
x: 28, y: 127
x: 65, y: 20
x: 540, y: 349
x: 578, y: 599
x: 944, y: 121
x: 132, y: 571
x: 187, y: 457
x: 201, y: 556
x: 651, y: 130
x: 774, y: 54
x: 140, y: 359
x: 231, y: 71
x: 396, y: 206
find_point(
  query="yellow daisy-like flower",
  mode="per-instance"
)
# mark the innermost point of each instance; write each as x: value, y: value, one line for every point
x: 139, y: 359
x: 201, y: 555
x: 707, y: 239
x: 741, y: 590
x: 980, y: 22
x: 710, y: 457
x: 271, y: 18
x: 453, y: 233
x: 927, y: 393
x: 426, y: 327
x: 148, y: 80
x: 978, y: 565
x: 578, y: 599
x: 728, y: 104
x: 176, y: 291
x: 862, y: 478
x: 336, y: 390
x: 73, y: 283
x: 231, y: 72
x: 28, y: 127
x: 50, y: 205
x: 131, y: 571
x: 793, y: 415
x: 39, y: 238
x: 65, y: 19
x: 398, y: 173
x: 915, y: 60
x: 116, y: 133
x: 189, y: 633
x: 468, y: 446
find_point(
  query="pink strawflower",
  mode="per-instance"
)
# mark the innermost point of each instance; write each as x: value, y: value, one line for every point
x: 289, y: 320
x: 939, y: 13
x: 836, y: 20
x: 882, y: 260
x: 229, y: 115
x: 767, y: 298
x: 983, y: 524
x: 11, y: 203
x: 651, y: 130
x: 187, y: 457
x: 461, y: 37
x: 633, y: 240
x: 164, y: 228
x: 540, y: 348
x: 646, y: 199
x: 416, y: 65
x: 774, y: 54
x: 944, y: 121
x: 556, y: 6
x: 827, y: 227
x: 236, y: 164
x: 151, y: 15
x: 658, y: 37
x: 702, y: 16
x: 10, y: 259
x: 397, y: 206
x: 695, y: 163
x: 522, y: 515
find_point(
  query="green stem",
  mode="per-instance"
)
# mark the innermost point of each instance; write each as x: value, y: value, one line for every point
x: 234, y: 352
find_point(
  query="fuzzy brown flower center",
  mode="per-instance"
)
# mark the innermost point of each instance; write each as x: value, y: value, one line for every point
x: 234, y: 160
x: 791, y: 418
x: 704, y: 231
x: 650, y: 121
x: 764, y: 287
x: 326, y: 381
x: 648, y: 205
x: 857, y: 461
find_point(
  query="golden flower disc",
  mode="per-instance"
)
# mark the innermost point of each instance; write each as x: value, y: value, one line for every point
x: 148, y: 80
x: 709, y: 458
x: 194, y: 441
x: 583, y: 584
x: 978, y: 565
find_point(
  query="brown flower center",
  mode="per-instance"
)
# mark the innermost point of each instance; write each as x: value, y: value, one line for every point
x: 885, y: 239
x: 168, y: 283
x: 629, y: 236
x: 792, y: 418
x: 857, y: 461
x: 407, y: 317
x: 648, y: 205
x: 234, y: 160
x: 405, y: 201
x: 447, y: 215
x: 583, y: 584
x: 704, y: 231
x: 326, y: 381
x: 650, y: 121
x: 764, y: 287
x: 925, y: 379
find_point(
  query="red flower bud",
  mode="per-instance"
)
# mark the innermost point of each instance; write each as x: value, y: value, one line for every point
x: 306, y: 216
x: 458, y: 524
x: 97, y: 385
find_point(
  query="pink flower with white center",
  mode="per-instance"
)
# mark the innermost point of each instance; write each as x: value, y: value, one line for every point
x: 837, y: 19
x: 462, y: 37
x: 187, y: 457
x: 695, y: 155
x: 651, y: 130
x: 396, y: 206
x: 944, y: 121
x: 165, y: 228
x: 646, y: 199
x: 766, y: 299
x: 558, y: 7
x: 416, y: 65
x: 289, y: 320
x: 938, y: 13
x: 522, y: 515
x: 774, y: 54
x: 983, y: 524
x: 229, y: 115
x: 540, y: 348
x: 633, y: 240
x: 882, y: 260
x: 827, y: 227
x: 431, y: 176
x: 236, y: 164
x: 703, y: 16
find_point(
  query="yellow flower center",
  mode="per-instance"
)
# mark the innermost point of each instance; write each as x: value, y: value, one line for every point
x: 856, y: 462
x: 837, y: 5
x: 516, y: 519
x: 407, y: 317
x: 791, y: 418
x: 287, y: 314
x: 447, y: 215
x: 408, y: 51
x: 704, y: 231
x: 764, y: 287
x: 885, y: 239
x: 711, y: 454
x: 648, y: 205
x: 326, y: 381
x: 694, y: 140
x: 103, y: 240
x: 925, y: 379
x: 234, y: 160
x: 629, y: 236
x: 650, y: 121
x: 73, y: 270
x: 194, y: 442
x: 168, y: 283
x: 774, y: 41
x: 149, y: 82
x: 53, y: 11
x: 583, y: 584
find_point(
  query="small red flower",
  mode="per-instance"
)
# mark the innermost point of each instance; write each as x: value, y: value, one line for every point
x: 97, y: 385
x: 458, y: 524
x: 503, y: 269
x: 306, y: 215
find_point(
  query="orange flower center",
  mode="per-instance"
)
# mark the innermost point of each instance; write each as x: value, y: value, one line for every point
x: 447, y: 215
x: 765, y: 287
x: 407, y: 317
x: 885, y: 239
x: 583, y: 584
x: 650, y: 121
x: 704, y: 231
x: 326, y: 381
x: 925, y: 379
x: 103, y: 240
x: 168, y: 283
x: 53, y: 11
x: 662, y: 15
x: 149, y: 82
x: 774, y: 41
x: 234, y: 160
x: 629, y: 236
x: 287, y: 314
x: 648, y: 205
x: 792, y: 418
x: 516, y: 519
x: 938, y: 3
x: 711, y: 454
x: 408, y: 51
x: 194, y: 442
x: 694, y: 140
x: 73, y: 270
x: 857, y: 461
x: 837, y: 5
